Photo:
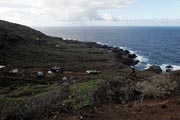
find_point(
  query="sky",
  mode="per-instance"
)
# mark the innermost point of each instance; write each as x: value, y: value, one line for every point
x: 91, y: 12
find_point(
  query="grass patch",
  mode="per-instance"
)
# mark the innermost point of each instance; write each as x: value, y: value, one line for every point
x: 21, y: 94
x: 44, y: 103
x: 81, y: 95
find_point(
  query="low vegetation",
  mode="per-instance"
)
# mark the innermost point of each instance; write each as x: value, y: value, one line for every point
x: 38, y: 107
x: 122, y: 89
x: 160, y: 86
x: 116, y: 90
x: 81, y: 95
x: 25, y: 96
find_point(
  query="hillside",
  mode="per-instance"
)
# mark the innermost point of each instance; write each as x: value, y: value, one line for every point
x: 44, y: 77
x: 17, y: 39
x: 21, y: 45
x: 24, y: 52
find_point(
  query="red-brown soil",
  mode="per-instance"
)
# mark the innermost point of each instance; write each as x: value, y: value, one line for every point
x: 167, y: 109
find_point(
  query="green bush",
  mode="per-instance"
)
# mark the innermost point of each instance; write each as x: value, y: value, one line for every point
x: 116, y: 90
x: 81, y: 95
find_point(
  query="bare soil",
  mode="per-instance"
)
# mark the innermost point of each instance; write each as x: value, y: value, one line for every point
x: 166, y: 109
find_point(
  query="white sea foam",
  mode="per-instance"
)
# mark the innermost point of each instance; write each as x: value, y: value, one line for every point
x: 175, y: 67
x: 143, y: 62
x: 139, y: 57
x: 142, y: 58
x: 147, y: 66
x: 125, y: 48
x: 100, y: 43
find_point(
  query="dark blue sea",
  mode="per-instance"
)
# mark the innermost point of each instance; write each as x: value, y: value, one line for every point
x: 153, y: 45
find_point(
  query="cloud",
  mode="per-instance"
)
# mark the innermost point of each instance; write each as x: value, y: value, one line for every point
x: 110, y: 17
x: 72, y: 10
x: 28, y: 11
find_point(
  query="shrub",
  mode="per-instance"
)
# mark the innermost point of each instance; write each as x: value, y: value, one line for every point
x: 115, y: 90
x: 119, y: 90
x: 175, y: 75
x: 81, y: 95
x: 159, y: 86
x: 36, y: 108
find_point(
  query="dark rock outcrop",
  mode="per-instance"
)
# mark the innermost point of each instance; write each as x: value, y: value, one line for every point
x: 169, y: 67
x: 155, y: 69
x: 132, y: 56
x: 169, y: 70
x: 125, y: 56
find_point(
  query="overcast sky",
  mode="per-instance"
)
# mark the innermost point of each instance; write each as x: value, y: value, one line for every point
x: 91, y: 12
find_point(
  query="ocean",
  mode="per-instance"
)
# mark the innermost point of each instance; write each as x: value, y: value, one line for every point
x: 153, y: 45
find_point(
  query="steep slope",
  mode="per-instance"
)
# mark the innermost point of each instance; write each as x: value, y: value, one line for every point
x: 15, y: 38
x: 21, y: 45
x: 20, y: 32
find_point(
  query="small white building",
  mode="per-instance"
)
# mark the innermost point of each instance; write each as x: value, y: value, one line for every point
x: 50, y: 72
x: 40, y: 74
x: 93, y: 72
x: 15, y: 71
x: 1, y: 66
x: 64, y: 78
